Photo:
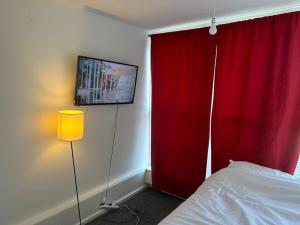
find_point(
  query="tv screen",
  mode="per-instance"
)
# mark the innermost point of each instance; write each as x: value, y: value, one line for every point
x: 101, y: 82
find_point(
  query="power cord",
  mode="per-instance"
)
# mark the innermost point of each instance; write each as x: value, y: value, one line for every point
x: 131, y: 207
x: 133, y: 213
x: 112, y: 153
x: 147, y: 218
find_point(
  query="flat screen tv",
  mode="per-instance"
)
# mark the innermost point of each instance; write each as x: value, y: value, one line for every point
x: 100, y: 82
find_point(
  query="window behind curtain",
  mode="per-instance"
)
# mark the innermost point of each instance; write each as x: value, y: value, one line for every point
x: 297, y: 171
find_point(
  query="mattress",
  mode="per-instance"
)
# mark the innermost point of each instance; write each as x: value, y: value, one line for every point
x: 242, y: 193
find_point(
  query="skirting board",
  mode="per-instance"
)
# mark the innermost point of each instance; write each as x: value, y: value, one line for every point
x: 119, y: 201
x: 66, y: 213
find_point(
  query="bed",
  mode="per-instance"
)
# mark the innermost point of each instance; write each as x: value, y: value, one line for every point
x: 242, y: 193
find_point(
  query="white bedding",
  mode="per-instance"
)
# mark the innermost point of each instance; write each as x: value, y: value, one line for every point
x: 242, y: 193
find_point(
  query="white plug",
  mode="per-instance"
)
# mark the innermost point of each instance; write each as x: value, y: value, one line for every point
x: 103, y: 200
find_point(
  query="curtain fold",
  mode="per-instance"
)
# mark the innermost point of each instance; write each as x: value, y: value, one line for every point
x: 182, y: 71
x: 256, y: 114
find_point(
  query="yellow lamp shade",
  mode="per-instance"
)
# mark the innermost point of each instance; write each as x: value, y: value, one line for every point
x: 70, y: 125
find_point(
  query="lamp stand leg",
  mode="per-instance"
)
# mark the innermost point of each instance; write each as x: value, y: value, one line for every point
x: 75, y: 179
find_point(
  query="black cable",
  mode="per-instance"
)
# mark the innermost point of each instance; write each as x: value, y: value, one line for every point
x: 112, y: 151
x: 75, y: 179
x: 132, y: 212
x: 141, y: 217
x: 145, y: 216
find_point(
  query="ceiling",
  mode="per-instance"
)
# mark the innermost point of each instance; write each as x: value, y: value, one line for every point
x: 153, y: 14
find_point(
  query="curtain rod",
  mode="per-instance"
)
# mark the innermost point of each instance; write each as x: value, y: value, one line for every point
x: 226, y: 19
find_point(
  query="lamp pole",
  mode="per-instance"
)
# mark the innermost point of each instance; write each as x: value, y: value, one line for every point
x: 70, y: 128
x: 75, y: 180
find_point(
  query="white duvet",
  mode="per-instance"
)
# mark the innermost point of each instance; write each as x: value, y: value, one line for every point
x: 242, y: 193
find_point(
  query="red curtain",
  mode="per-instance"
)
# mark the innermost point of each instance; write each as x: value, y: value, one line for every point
x: 256, y: 114
x: 182, y: 69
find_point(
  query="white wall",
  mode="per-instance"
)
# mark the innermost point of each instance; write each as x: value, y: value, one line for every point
x: 39, y: 44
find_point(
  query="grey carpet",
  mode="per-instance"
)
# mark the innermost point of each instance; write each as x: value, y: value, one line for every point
x: 151, y: 207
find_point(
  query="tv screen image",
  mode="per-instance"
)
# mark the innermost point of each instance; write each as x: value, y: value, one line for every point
x: 104, y: 82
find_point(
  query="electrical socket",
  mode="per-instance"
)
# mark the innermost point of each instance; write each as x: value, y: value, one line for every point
x: 108, y: 206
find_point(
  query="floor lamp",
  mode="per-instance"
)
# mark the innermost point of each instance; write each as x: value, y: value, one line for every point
x: 70, y: 128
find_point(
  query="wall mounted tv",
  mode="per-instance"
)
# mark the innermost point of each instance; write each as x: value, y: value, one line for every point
x: 100, y: 82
